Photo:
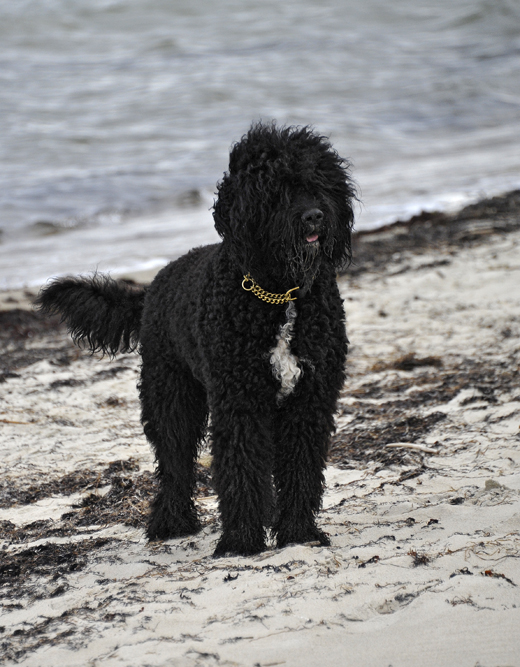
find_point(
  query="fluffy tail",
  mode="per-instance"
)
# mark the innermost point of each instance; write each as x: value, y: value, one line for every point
x: 98, y: 311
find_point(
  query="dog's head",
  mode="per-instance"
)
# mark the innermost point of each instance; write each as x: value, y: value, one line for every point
x: 285, y: 206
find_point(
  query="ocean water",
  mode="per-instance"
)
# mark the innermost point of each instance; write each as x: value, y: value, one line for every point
x: 116, y: 116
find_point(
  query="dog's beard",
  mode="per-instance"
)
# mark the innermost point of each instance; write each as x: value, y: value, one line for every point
x: 304, y: 264
x: 290, y: 254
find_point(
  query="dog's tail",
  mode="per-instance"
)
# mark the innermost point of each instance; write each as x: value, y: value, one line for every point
x: 98, y: 311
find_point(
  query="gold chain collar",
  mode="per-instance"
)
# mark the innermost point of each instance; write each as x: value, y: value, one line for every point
x: 268, y: 297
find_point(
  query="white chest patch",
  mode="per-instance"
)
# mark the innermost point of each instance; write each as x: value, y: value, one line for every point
x: 285, y: 365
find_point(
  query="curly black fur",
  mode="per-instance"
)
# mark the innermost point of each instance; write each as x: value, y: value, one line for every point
x: 284, y: 212
x: 97, y: 311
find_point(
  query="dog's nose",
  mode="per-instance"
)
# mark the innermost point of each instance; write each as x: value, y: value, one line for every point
x: 313, y: 216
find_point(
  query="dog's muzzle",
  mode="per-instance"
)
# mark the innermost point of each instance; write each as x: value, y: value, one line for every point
x: 312, y: 220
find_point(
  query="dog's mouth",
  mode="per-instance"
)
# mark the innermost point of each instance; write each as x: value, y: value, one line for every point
x: 313, y: 239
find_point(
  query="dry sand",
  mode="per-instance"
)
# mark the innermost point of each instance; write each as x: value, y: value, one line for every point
x: 422, y: 504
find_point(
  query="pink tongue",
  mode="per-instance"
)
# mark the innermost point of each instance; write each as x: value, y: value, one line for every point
x: 311, y: 239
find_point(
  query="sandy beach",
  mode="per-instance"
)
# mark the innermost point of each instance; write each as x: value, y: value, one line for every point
x: 422, y: 501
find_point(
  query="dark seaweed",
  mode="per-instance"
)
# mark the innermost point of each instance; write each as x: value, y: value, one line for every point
x: 392, y: 245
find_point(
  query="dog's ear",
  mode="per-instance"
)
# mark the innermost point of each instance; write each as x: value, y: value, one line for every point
x: 248, y: 189
x: 222, y: 207
x: 235, y: 203
x: 339, y: 245
x: 236, y: 213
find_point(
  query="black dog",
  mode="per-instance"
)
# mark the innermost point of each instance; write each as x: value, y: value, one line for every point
x: 266, y: 366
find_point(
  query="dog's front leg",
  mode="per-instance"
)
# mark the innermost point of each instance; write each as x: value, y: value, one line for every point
x: 241, y: 475
x: 302, y: 431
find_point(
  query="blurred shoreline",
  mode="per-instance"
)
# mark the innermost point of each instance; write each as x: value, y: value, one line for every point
x: 374, y: 248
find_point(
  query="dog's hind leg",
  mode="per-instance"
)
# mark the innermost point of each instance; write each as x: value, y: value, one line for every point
x: 174, y: 416
x: 302, y: 433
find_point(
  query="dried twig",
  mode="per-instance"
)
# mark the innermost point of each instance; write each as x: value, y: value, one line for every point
x: 412, y: 445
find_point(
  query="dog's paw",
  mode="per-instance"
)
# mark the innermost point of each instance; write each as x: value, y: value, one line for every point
x: 312, y: 536
x: 159, y: 529
x: 323, y: 538
x: 234, y: 546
